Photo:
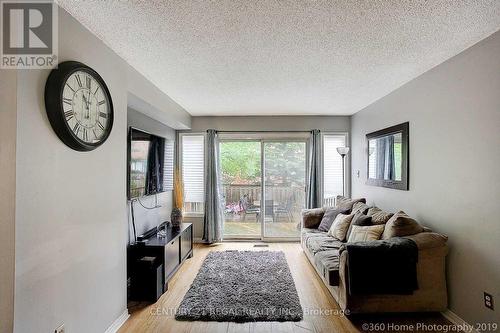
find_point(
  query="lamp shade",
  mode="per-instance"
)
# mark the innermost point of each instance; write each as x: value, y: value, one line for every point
x: 343, y: 150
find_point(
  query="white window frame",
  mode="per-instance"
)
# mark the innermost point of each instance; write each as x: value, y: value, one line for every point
x: 181, y: 135
x: 347, y: 163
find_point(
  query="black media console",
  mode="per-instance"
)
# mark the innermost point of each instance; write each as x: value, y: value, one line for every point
x: 152, y: 262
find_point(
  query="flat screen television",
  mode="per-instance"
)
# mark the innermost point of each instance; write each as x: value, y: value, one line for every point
x: 150, y: 163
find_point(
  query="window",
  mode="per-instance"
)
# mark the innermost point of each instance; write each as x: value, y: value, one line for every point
x: 168, y: 166
x: 193, y: 167
x: 332, y: 167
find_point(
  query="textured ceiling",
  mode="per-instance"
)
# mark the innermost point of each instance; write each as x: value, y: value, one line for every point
x: 274, y: 57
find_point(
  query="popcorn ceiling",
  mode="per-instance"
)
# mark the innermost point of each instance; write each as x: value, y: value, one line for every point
x: 284, y: 57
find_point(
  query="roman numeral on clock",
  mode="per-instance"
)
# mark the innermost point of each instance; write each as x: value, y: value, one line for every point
x: 73, y: 90
x: 87, y: 82
x: 101, y: 126
x: 85, y: 135
x: 103, y: 114
x: 78, y: 80
x: 67, y: 100
x: 102, y: 102
x: 76, y: 128
x: 68, y: 115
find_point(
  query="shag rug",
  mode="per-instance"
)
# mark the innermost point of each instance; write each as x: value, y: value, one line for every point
x: 242, y: 286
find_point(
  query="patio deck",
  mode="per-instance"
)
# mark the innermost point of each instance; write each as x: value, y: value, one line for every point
x: 253, y: 229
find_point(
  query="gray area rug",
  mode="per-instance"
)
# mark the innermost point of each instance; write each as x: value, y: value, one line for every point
x: 242, y: 286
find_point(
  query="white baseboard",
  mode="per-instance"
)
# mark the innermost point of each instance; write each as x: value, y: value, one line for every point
x: 456, y: 320
x: 115, y: 326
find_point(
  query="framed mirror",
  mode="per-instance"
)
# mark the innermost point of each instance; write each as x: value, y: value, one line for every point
x: 388, y: 152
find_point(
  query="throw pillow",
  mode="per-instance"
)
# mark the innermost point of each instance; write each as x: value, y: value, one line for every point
x: 360, y: 207
x: 400, y: 224
x: 340, y: 226
x: 365, y: 233
x: 311, y: 218
x: 347, y: 203
x: 378, y: 215
x: 360, y: 220
x: 329, y: 216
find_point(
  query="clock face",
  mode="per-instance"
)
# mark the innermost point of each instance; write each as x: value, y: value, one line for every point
x: 86, y: 107
x: 79, y: 106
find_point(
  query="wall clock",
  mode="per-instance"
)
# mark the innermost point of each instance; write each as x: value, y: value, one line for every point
x: 79, y: 106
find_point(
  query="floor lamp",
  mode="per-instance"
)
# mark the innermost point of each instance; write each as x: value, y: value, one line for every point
x: 343, y: 151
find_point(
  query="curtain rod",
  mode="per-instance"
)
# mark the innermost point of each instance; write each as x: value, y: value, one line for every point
x: 306, y: 131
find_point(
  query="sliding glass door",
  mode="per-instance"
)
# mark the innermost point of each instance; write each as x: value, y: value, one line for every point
x: 284, y: 187
x: 241, y: 188
x: 263, y: 187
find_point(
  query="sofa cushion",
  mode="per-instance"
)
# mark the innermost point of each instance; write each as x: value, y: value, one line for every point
x: 340, y: 226
x: 322, y: 243
x: 327, y: 263
x: 329, y: 216
x: 378, y: 215
x: 359, y: 219
x: 399, y: 225
x: 311, y: 218
x: 347, y: 203
x: 360, y: 207
x: 365, y: 233
x: 308, y: 233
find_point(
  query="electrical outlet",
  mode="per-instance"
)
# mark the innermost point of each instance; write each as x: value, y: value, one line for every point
x: 488, y: 301
x: 60, y: 329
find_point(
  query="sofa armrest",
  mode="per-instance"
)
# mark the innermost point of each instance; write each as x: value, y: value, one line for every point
x: 311, y: 218
x: 428, y: 240
x: 431, y: 277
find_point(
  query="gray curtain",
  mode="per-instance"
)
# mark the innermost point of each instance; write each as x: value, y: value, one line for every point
x: 313, y: 194
x: 390, y: 163
x: 212, y: 222
x: 381, y: 152
x: 385, y: 158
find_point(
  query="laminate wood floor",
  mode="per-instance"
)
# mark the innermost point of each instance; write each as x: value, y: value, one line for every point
x: 314, y: 297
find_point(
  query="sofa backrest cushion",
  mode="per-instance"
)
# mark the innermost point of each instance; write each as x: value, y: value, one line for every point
x: 365, y: 233
x: 378, y: 215
x: 339, y: 228
x: 329, y: 216
x: 346, y: 203
x: 400, y: 225
x: 311, y: 218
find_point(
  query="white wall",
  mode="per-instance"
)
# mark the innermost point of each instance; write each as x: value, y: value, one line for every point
x: 146, y: 219
x: 71, y: 211
x: 454, y: 115
x: 266, y: 123
x: 272, y: 123
x: 8, y: 110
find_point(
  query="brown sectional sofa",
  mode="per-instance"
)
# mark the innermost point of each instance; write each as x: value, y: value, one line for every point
x: 322, y: 251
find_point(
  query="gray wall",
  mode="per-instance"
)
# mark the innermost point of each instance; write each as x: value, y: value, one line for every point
x: 146, y: 219
x: 454, y: 115
x: 266, y: 123
x: 71, y: 207
x: 8, y: 110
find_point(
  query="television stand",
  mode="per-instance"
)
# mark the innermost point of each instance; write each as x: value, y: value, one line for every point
x: 169, y: 254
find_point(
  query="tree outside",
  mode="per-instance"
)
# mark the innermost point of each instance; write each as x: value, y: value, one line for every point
x: 284, y: 163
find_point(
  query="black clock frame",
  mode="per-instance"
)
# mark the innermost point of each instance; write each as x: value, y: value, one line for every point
x: 54, y: 104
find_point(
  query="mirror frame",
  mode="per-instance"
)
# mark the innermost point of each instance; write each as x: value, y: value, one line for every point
x: 404, y: 183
